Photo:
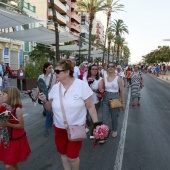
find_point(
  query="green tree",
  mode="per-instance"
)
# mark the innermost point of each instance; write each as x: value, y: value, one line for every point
x: 113, y: 6
x: 110, y: 38
x: 118, y: 28
x: 41, y: 51
x: 90, y: 7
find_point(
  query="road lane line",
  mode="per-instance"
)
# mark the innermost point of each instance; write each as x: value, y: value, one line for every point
x: 120, y: 150
x: 25, y: 115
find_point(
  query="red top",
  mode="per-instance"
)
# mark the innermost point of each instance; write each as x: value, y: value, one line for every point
x: 14, y: 133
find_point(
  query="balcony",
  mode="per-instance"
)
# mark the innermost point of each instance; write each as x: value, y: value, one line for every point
x: 85, y: 24
x: 75, y: 17
x: 60, y: 18
x: 63, y: 1
x: 59, y: 6
x: 75, y: 27
x: 50, y: 26
x: 73, y: 5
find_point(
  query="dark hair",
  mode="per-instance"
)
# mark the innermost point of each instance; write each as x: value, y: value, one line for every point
x: 47, y: 64
x: 67, y: 64
x: 89, y: 72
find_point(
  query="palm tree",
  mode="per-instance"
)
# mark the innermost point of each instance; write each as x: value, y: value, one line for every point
x: 126, y: 54
x: 112, y: 7
x: 118, y: 28
x: 110, y: 38
x: 57, y: 54
x: 90, y: 7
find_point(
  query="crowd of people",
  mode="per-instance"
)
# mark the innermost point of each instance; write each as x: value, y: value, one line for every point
x: 75, y: 94
x: 4, y: 75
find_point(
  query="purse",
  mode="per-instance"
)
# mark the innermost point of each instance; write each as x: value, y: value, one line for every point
x: 74, y: 132
x: 115, y: 103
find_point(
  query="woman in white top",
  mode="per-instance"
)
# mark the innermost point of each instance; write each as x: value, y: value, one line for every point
x: 49, y: 80
x: 113, y: 84
x: 77, y: 97
x: 96, y: 83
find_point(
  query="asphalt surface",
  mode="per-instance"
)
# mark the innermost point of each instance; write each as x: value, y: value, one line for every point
x: 146, y: 145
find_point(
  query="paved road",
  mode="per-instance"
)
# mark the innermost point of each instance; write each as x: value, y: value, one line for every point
x: 147, y: 141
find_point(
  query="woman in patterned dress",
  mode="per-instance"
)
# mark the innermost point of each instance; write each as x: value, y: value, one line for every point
x: 136, y: 85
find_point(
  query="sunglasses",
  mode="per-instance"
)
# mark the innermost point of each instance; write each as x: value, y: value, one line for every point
x: 110, y: 66
x: 58, y: 71
x: 94, y: 69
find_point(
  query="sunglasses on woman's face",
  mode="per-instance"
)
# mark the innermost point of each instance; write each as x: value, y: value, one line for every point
x: 110, y: 66
x: 58, y: 71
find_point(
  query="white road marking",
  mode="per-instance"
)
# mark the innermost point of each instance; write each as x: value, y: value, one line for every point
x: 25, y: 115
x: 120, y: 151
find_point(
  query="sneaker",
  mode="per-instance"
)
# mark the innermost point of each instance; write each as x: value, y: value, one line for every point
x: 102, y: 141
x: 138, y: 104
x: 114, y: 134
x: 91, y: 137
x: 87, y: 130
x: 46, y: 133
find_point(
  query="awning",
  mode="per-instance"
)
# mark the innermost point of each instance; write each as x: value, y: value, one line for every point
x: 11, y: 19
x: 40, y: 34
x: 73, y: 47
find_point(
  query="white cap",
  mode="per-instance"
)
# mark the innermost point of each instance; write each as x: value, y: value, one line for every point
x: 119, y: 66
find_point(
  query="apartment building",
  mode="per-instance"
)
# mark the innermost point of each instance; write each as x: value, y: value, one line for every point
x: 10, y: 50
x: 66, y: 18
x: 100, y: 32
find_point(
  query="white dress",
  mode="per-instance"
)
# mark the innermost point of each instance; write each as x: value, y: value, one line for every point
x: 94, y: 86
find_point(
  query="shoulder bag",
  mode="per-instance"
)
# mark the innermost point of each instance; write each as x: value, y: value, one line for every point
x: 115, y: 103
x: 74, y: 132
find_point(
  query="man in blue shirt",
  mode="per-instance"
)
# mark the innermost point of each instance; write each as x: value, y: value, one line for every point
x: 157, y: 70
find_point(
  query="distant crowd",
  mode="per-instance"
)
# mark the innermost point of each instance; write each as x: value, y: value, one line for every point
x: 4, y: 75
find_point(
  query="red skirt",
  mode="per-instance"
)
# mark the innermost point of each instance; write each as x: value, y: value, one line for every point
x: 17, y: 151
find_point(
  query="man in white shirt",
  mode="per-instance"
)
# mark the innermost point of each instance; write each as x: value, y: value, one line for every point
x: 76, y: 71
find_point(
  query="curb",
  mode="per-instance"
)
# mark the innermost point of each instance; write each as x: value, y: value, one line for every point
x: 164, y: 78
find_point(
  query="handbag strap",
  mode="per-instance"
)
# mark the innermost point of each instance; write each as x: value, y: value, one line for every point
x: 62, y: 108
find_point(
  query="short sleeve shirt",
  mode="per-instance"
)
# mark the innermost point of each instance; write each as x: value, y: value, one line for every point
x: 76, y: 72
x: 46, y: 79
x: 73, y: 101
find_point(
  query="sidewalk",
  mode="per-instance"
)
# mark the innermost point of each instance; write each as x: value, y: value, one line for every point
x: 165, y: 78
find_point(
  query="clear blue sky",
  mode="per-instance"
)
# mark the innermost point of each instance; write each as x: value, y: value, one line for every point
x: 148, y: 23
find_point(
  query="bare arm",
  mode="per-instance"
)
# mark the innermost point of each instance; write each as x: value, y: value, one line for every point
x: 101, y: 85
x: 142, y: 81
x: 121, y: 88
x: 91, y: 108
x: 47, y: 104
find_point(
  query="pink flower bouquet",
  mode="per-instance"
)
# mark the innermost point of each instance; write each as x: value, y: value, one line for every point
x: 90, y: 80
x: 100, y: 132
x: 100, y: 94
